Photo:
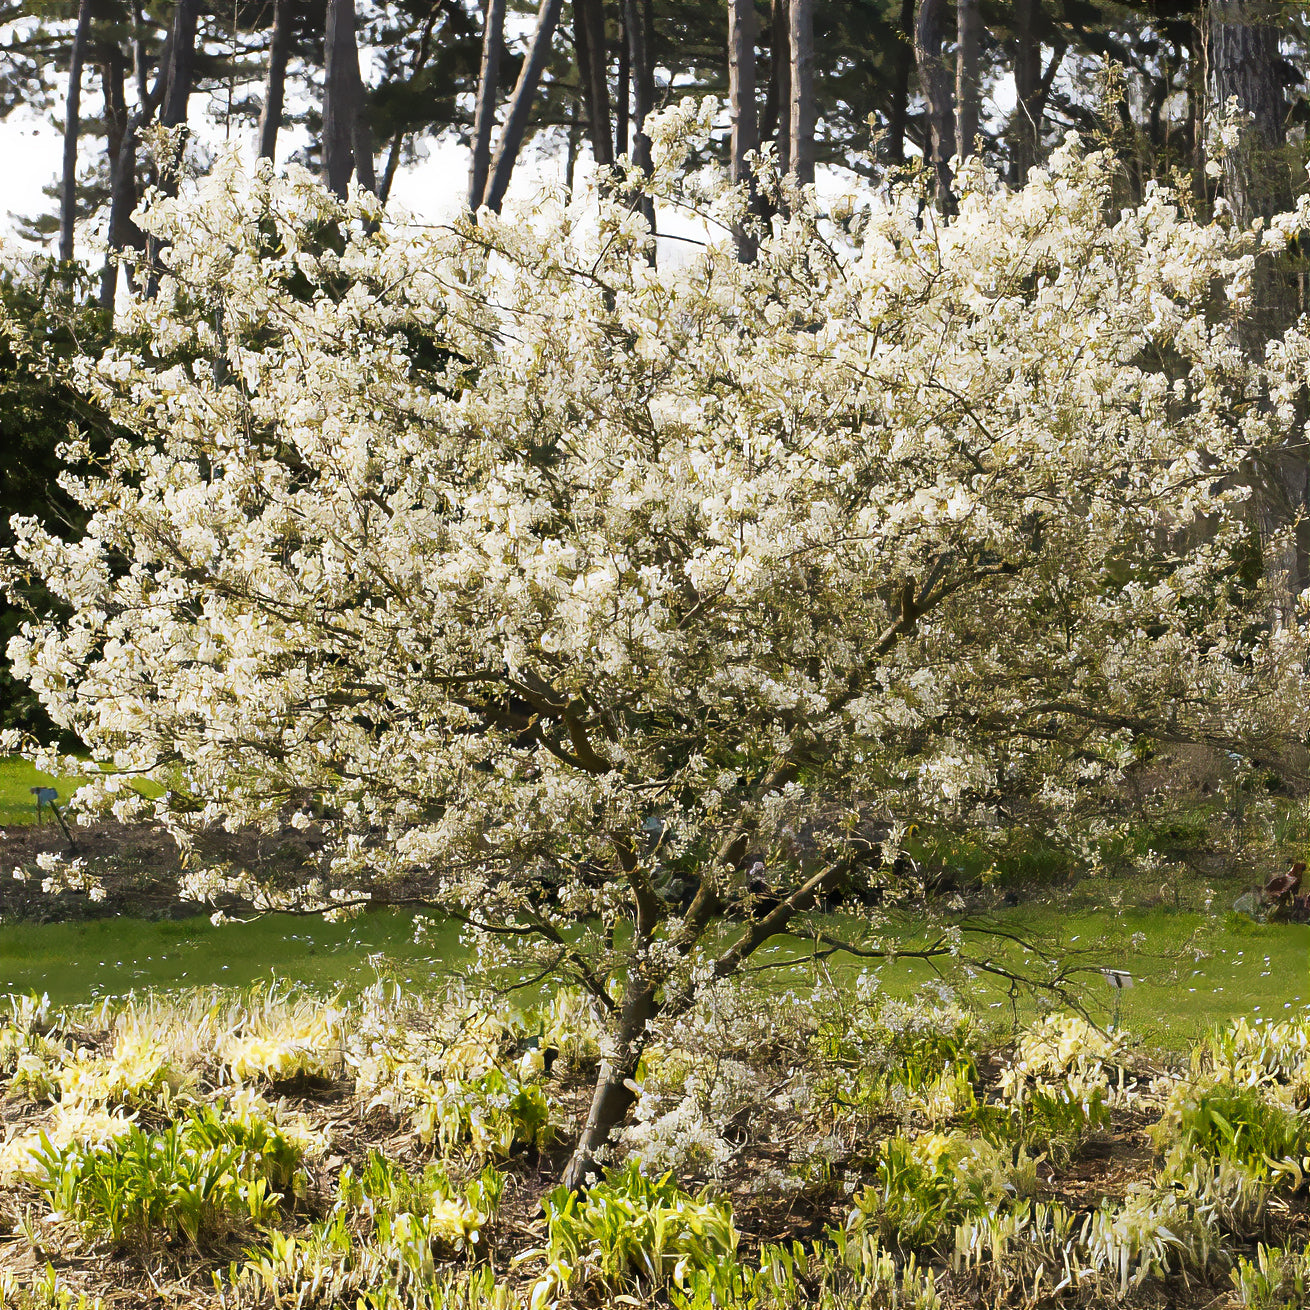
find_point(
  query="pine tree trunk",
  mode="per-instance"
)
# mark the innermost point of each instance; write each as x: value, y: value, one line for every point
x: 1024, y: 127
x: 741, y: 100
x: 1246, y: 66
x: 484, y: 115
x: 968, y: 26
x: 347, y: 139
x: 800, y: 33
x: 181, y: 64
x: 520, y: 105
x: 624, y: 104
x: 777, y: 108
x: 72, y: 130
x: 935, y: 83
x: 275, y: 84
x: 643, y: 79
x: 122, y: 201
x: 898, y: 110
x: 590, y: 45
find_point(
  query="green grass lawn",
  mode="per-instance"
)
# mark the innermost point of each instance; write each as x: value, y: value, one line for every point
x: 1189, y: 970
x: 17, y: 778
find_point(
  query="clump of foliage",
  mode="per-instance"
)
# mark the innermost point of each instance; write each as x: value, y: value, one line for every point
x: 207, y: 1178
x: 634, y: 1233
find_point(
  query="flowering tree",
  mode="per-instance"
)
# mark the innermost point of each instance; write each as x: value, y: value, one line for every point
x: 564, y: 591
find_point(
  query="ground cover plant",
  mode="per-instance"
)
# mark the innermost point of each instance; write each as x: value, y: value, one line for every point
x: 752, y: 1177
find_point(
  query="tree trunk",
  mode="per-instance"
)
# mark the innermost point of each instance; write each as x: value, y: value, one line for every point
x: 777, y: 105
x: 624, y: 106
x: 613, y: 1096
x: 741, y: 98
x: 275, y: 84
x: 1024, y: 125
x: 122, y: 201
x: 347, y: 139
x: 484, y: 116
x: 72, y: 130
x: 589, y: 42
x: 173, y: 110
x: 1246, y: 66
x: 516, y: 121
x: 968, y: 23
x: 898, y: 111
x: 180, y: 65
x: 800, y: 32
x: 643, y: 79
x: 935, y: 83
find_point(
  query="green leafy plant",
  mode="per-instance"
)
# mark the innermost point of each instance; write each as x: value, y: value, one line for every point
x: 926, y: 1185
x: 1241, y: 1123
x: 631, y: 1232
x: 203, y: 1179
x: 1277, y: 1279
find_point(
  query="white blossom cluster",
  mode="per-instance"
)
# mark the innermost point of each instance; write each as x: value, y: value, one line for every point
x: 556, y: 579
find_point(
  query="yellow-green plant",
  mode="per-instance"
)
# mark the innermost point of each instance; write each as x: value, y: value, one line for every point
x: 928, y: 1184
x: 203, y: 1179
x: 632, y: 1233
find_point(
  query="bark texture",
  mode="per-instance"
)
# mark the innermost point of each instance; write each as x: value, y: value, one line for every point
x: 935, y: 83
x: 803, y: 115
x: 741, y: 99
x: 520, y: 105
x: 1025, y: 120
x: 592, y: 51
x: 72, y: 131
x: 275, y: 82
x: 347, y: 138
x: 968, y: 40
x: 777, y: 105
x: 484, y: 115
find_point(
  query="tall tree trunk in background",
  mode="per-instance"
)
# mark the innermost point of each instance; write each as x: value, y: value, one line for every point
x: 800, y: 32
x: 180, y: 65
x: 173, y: 110
x: 624, y: 102
x: 898, y: 109
x: 347, y: 139
x: 643, y: 79
x: 968, y: 27
x: 935, y: 83
x: 72, y: 130
x: 1246, y: 66
x: 484, y: 115
x: 1024, y: 121
x: 636, y: 19
x: 590, y: 45
x: 777, y: 99
x: 275, y: 83
x: 520, y: 105
x: 741, y: 98
x: 122, y: 231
